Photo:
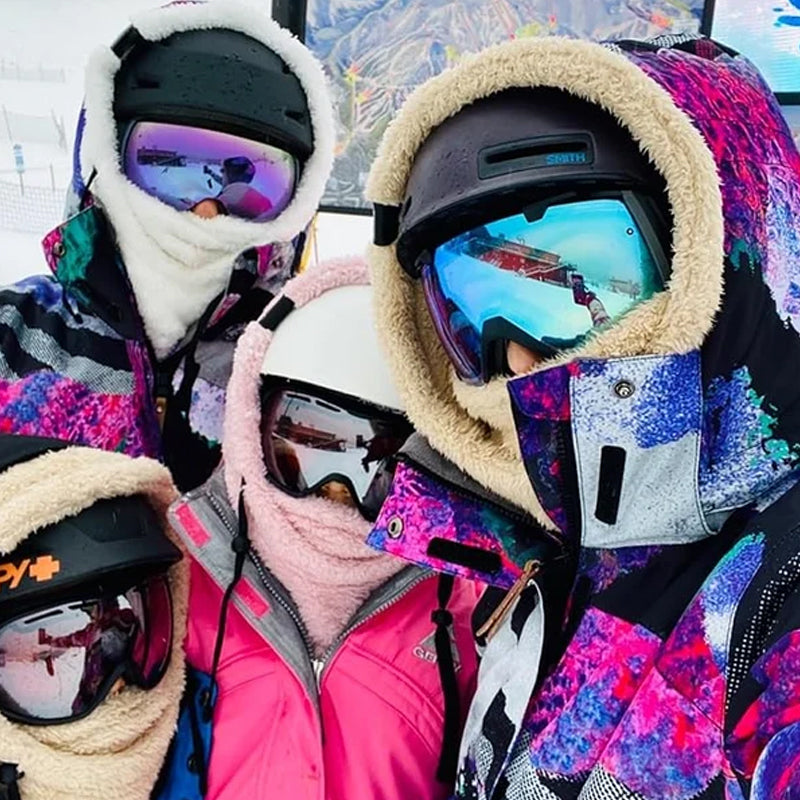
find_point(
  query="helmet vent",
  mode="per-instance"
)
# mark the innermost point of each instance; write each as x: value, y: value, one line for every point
x: 527, y: 154
x: 297, y: 116
x: 147, y: 82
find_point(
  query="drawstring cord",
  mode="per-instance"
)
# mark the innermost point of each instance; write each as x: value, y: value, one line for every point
x: 240, y: 546
x: 448, y: 759
x: 190, y: 455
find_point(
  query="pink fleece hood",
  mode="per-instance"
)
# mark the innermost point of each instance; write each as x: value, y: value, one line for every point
x: 315, y: 547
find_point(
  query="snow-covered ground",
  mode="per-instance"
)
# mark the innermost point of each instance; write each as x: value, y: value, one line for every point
x: 59, y: 35
x: 20, y: 255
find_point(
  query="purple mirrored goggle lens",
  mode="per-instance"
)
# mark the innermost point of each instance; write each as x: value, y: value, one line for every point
x: 58, y: 664
x: 183, y: 165
x: 545, y: 282
x: 309, y: 441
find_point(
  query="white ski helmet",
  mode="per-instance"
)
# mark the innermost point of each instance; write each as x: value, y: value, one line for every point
x: 331, y: 342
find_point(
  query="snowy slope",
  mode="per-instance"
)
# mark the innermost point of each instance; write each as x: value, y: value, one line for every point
x: 55, y: 34
x: 60, y: 34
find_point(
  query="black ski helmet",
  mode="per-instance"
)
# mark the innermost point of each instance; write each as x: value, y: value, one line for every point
x: 107, y: 547
x: 217, y: 77
x: 518, y: 147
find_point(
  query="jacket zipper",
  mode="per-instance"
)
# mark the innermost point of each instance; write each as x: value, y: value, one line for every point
x: 285, y: 604
x: 317, y: 664
x: 321, y: 663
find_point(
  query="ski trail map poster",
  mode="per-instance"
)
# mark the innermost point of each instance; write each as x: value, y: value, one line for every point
x: 377, y: 51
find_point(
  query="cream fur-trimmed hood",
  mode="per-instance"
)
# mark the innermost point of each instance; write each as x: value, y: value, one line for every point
x: 119, y: 748
x: 472, y: 426
x: 99, y: 146
x: 177, y: 262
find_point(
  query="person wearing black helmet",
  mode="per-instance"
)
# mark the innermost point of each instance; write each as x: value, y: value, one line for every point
x: 93, y: 597
x: 531, y: 210
x: 201, y: 154
x: 586, y: 272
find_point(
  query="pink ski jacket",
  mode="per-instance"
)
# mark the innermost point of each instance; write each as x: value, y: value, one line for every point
x: 365, y: 722
x: 367, y: 719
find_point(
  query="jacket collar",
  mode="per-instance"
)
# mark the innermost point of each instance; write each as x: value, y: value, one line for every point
x: 438, y: 517
x: 81, y: 255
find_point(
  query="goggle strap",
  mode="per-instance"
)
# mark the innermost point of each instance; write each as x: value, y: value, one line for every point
x: 386, y: 225
x: 128, y: 41
x: 281, y: 309
x: 9, y: 775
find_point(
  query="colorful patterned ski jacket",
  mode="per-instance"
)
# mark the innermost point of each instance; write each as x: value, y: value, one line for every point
x: 75, y: 363
x: 75, y: 360
x: 640, y: 501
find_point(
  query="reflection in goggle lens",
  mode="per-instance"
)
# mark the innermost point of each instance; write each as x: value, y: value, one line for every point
x: 576, y: 268
x: 183, y: 165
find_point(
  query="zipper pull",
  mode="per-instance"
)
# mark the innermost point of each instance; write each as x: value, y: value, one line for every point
x: 161, y: 411
x: 318, y: 664
x: 492, y: 625
x: 163, y: 393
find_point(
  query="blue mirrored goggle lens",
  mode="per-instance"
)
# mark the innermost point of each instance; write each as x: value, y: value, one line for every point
x: 182, y: 165
x: 556, y: 278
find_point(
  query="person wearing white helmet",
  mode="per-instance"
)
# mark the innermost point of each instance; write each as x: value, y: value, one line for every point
x: 319, y: 668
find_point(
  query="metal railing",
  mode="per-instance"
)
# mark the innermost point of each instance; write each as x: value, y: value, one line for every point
x: 30, y: 209
x: 12, y: 71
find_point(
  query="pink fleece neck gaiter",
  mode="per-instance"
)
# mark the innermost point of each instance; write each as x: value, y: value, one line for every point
x: 315, y: 547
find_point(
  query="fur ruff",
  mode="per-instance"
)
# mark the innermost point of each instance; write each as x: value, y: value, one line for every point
x: 120, y: 747
x: 472, y: 426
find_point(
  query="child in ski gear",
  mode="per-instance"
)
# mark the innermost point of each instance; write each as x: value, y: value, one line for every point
x: 323, y: 668
x: 92, y: 615
x: 202, y: 151
x: 633, y: 480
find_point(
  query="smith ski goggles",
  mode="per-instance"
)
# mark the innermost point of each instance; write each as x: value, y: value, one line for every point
x: 544, y: 278
x: 311, y: 437
x: 58, y: 664
x: 183, y: 165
